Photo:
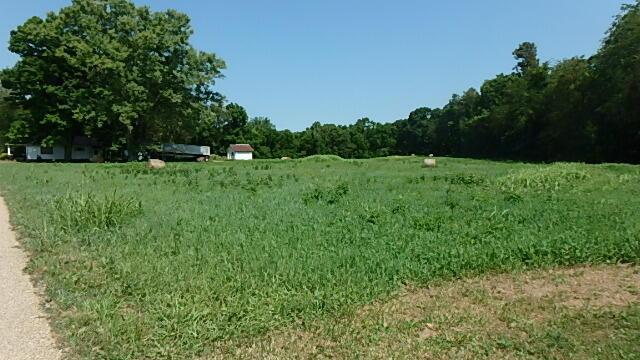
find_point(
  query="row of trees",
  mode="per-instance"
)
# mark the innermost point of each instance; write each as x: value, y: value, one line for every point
x: 579, y: 109
x: 128, y: 76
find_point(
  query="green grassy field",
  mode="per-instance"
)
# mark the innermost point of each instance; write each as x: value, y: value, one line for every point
x: 172, y: 262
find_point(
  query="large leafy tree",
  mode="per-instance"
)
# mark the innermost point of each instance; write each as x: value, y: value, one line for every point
x: 527, y: 56
x: 262, y: 134
x: 451, y: 125
x: 232, y: 125
x: 568, y: 128
x: 416, y: 135
x: 6, y: 112
x: 616, y: 89
x: 221, y: 126
x: 122, y: 74
x: 13, y: 121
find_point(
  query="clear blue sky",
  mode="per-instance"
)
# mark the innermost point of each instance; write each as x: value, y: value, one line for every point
x: 300, y: 61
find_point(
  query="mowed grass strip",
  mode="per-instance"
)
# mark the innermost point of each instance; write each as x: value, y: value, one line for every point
x: 172, y: 262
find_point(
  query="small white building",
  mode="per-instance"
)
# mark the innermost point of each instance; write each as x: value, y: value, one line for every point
x: 240, y: 152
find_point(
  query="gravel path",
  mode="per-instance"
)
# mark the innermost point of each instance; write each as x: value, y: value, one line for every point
x: 24, y: 330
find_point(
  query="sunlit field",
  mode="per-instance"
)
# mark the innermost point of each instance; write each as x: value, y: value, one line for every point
x: 173, y: 262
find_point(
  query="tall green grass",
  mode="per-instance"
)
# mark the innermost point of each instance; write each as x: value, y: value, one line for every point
x: 80, y: 211
x: 177, y: 259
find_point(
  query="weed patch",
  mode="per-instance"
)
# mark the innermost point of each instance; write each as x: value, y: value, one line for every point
x: 326, y: 194
x: 83, y: 212
x: 544, y: 178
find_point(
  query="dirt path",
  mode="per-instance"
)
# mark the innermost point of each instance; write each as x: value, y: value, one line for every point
x: 24, y: 330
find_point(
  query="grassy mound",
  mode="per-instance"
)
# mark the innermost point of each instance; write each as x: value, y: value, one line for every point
x: 322, y: 158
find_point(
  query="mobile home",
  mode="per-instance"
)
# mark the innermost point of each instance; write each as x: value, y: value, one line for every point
x: 83, y: 149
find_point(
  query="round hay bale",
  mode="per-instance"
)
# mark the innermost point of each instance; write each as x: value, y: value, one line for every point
x: 285, y: 158
x: 156, y: 164
x: 429, y: 163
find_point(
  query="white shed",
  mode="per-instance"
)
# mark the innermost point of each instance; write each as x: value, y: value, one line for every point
x: 240, y: 152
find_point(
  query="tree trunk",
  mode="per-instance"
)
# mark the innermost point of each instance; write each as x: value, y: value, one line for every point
x: 68, y: 148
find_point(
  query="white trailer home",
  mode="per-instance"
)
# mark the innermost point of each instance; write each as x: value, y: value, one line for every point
x: 83, y: 149
x: 37, y: 152
x: 240, y: 152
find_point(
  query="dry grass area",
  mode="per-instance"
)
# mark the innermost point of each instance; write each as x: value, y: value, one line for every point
x: 585, y: 312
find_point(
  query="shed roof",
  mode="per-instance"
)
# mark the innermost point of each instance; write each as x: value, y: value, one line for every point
x: 240, y: 148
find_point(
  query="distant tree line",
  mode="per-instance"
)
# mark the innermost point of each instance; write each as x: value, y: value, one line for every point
x: 580, y: 109
x: 142, y: 82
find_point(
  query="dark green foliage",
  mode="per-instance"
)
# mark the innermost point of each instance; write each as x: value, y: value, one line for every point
x: 615, y: 89
x: 122, y: 74
x: 527, y: 56
x: 13, y: 121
